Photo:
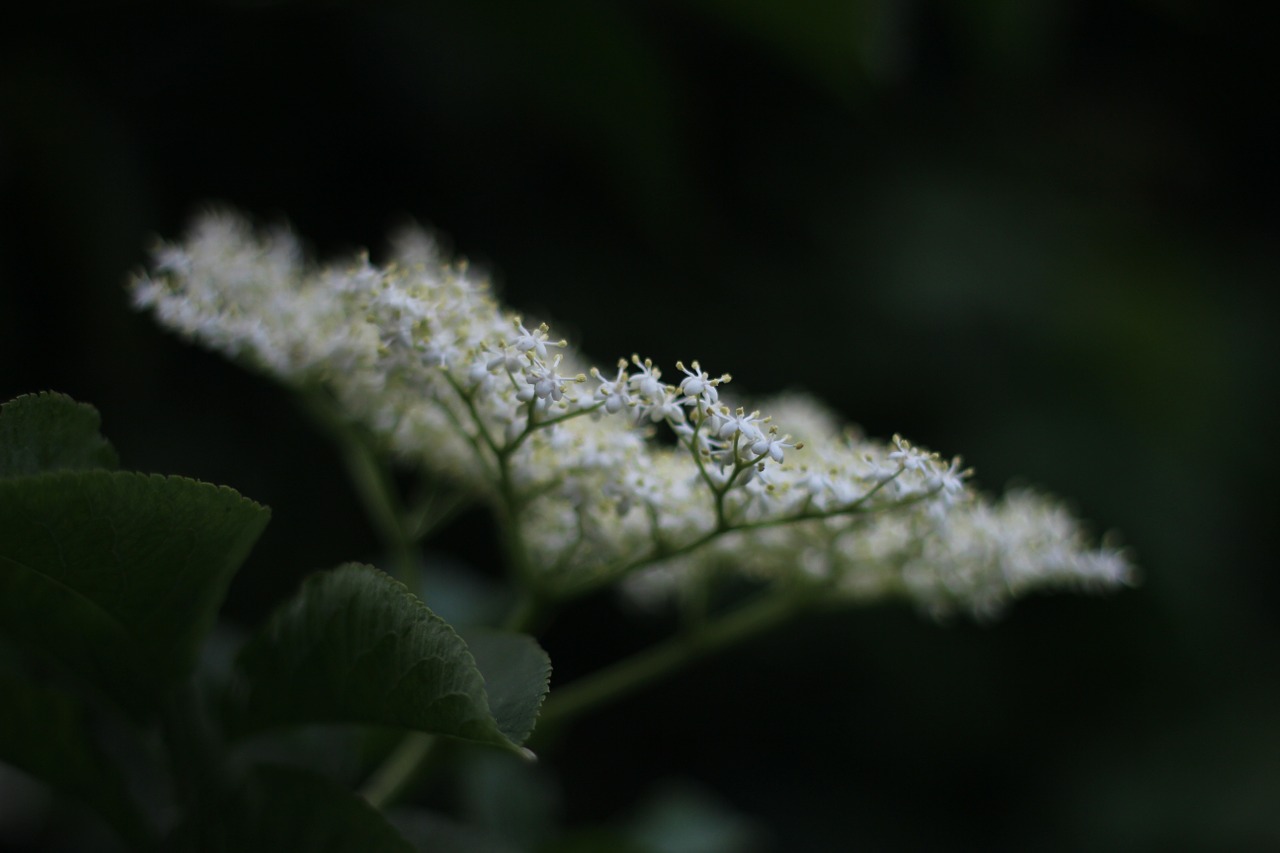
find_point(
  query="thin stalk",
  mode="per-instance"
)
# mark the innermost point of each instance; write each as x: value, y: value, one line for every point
x: 665, y: 552
x: 524, y: 613
x: 644, y: 668
x: 373, y: 486
x: 389, y: 780
x: 511, y: 505
x: 535, y: 424
x: 394, y: 775
x: 428, y: 517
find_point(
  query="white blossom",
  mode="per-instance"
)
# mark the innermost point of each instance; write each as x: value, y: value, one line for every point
x: 613, y: 393
x: 420, y: 352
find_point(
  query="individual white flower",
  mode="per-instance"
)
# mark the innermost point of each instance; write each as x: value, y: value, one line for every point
x: 544, y: 383
x: 911, y: 458
x: 535, y: 341
x: 773, y: 445
x: 668, y: 405
x: 646, y: 384
x: 950, y: 481
x: 700, y: 386
x: 613, y: 393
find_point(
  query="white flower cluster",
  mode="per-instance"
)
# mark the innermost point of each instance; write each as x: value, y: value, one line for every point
x: 421, y: 353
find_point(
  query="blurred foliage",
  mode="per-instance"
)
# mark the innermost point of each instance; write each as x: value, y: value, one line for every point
x: 1040, y: 234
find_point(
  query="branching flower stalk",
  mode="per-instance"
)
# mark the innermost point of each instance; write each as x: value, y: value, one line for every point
x: 419, y: 355
x: 372, y: 481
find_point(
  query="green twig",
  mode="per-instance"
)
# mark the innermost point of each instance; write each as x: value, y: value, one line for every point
x: 634, y: 673
x: 394, y: 775
x: 664, y: 551
x: 373, y: 485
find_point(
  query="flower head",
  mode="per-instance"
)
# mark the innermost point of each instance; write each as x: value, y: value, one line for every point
x: 421, y: 353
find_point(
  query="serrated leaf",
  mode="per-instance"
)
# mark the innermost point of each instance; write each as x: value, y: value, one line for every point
x: 356, y: 647
x: 286, y: 808
x: 46, y: 733
x: 51, y: 432
x: 516, y: 674
x: 119, y: 575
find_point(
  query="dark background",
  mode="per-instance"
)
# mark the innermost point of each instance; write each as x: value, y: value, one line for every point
x: 1041, y: 234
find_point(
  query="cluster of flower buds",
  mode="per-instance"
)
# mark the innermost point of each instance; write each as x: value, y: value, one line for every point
x: 421, y: 353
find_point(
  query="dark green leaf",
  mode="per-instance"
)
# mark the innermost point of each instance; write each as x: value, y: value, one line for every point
x: 356, y: 647
x: 516, y: 674
x: 118, y: 575
x: 50, y: 432
x: 281, y: 808
x: 45, y: 733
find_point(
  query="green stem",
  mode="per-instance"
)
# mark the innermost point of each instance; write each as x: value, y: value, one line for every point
x: 535, y: 424
x: 373, y: 486
x: 511, y: 504
x: 426, y: 518
x: 526, y: 614
x: 395, y: 774
x: 389, y: 780
x: 663, y: 551
x: 512, y: 523
x: 634, y: 673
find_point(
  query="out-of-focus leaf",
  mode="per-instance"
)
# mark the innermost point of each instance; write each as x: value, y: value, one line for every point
x: 45, y: 733
x: 50, y: 432
x: 684, y: 819
x: 284, y: 808
x: 355, y: 646
x: 118, y: 575
x: 514, y: 800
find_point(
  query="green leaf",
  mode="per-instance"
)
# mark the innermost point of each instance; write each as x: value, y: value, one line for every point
x: 516, y: 673
x: 285, y: 808
x: 46, y: 733
x: 50, y: 432
x: 118, y: 575
x: 354, y: 646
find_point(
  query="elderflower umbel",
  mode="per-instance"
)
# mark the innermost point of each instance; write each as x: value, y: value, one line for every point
x: 421, y: 353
